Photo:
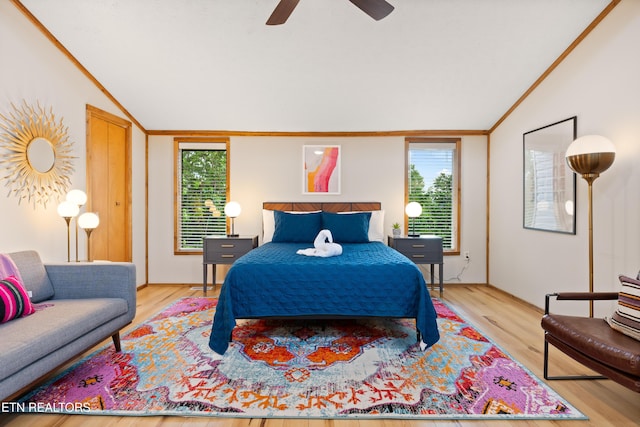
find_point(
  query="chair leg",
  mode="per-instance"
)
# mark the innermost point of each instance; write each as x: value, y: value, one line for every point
x: 116, y: 341
x: 545, y: 369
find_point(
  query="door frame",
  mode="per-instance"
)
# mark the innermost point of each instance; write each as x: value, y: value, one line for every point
x: 94, y: 112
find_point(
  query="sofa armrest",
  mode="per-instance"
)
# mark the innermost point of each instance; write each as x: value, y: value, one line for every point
x: 94, y: 280
x: 578, y: 296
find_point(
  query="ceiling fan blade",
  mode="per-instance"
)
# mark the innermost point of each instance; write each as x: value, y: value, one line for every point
x: 377, y: 9
x: 282, y: 11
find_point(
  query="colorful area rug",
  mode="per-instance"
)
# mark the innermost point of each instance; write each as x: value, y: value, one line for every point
x: 287, y: 368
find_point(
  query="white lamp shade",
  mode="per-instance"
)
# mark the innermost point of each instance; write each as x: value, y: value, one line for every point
x: 68, y: 209
x: 232, y: 209
x: 590, y: 144
x: 88, y: 220
x: 413, y: 210
x: 78, y: 197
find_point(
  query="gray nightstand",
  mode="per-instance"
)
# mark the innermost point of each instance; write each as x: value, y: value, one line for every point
x: 421, y: 250
x: 223, y: 250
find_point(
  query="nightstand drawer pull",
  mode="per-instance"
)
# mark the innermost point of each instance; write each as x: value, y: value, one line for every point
x: 228, y: 256
x: 227, y: 246
x: 415, y: 245
x: 417, y: 256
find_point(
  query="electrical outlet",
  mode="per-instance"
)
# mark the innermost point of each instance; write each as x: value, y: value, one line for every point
x: 466, y: 255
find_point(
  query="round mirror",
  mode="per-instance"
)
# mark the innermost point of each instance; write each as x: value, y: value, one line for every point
x: 41, y: 167
x: 41, y: 155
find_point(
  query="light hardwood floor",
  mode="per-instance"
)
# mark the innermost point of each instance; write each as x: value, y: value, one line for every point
x: 512, y: 324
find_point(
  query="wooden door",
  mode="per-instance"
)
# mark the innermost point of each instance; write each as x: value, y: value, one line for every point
x: 109, y: 184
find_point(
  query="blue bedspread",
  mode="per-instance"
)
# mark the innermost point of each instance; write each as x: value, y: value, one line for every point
x: 368, y: 279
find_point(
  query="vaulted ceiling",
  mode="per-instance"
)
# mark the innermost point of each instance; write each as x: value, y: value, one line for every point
x: 215, y: 65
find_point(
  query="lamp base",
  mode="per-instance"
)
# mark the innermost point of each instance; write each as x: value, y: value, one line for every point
x: 414, y: 235
x: 233, y: 235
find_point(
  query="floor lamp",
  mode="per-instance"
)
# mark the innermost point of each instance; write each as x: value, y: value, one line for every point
x: 88, y: 221
x: 79, y: 198
x: 68, y: 210
x: 589, y: 156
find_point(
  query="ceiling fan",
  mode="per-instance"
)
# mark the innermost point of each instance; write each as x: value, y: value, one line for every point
x: 377, y: 9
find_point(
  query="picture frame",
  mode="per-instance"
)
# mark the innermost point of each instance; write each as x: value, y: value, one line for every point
x: 549, y: 184
x: 321, y: 169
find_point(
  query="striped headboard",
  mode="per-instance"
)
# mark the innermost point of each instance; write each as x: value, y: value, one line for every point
x: 322, y: 206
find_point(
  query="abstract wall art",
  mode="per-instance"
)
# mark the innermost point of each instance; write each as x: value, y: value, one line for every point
x: 321, y: 169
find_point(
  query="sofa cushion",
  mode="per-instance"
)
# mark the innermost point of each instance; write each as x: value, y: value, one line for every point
x: 34, y: 275
x: 594, y: 338
x: 53, y: 325
x: 626, y: 317
x: 14, y: 301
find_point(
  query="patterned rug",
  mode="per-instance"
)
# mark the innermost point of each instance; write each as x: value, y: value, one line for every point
x: 286, y: 368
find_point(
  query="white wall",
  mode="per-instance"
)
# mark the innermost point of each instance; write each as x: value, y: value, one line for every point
x: 262, y: 169
x: 599, y: 82
x: 269, y: 169
x: 34, y: 70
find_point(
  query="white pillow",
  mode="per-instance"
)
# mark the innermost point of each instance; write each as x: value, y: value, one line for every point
x: 376, y: 225
x: 269, y: 223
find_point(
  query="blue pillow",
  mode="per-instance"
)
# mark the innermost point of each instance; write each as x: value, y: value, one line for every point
x: 296, y: 228
x: 347, y: 228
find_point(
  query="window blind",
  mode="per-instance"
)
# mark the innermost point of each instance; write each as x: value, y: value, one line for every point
x: 433, y: 182
x: 202, y: 184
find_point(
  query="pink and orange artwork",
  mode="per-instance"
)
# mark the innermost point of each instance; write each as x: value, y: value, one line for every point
x: 321, y: 169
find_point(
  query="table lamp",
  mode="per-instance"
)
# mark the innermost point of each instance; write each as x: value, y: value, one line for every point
x: 413, y: 210
x: 232, y: 210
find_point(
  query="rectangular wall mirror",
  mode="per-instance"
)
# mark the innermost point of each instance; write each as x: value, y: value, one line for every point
x: 549, y: 183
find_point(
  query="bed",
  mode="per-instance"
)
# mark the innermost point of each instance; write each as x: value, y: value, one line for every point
x: 368, y: 279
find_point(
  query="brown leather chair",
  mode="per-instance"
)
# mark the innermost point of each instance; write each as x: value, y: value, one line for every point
x: 592, y: 342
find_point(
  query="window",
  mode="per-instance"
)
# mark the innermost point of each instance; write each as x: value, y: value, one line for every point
x: 432, y: 179
x: 201, y: 191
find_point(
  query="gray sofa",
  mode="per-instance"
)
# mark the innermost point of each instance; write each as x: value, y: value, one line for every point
x: 77, y: 306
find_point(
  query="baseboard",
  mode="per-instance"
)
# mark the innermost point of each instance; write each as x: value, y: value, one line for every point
x: 176, y: 284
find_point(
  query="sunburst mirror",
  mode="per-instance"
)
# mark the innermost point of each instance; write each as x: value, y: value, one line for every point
x: 38, y: 157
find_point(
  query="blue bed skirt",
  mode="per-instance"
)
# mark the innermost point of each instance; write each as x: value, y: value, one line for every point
x: 367, y: 280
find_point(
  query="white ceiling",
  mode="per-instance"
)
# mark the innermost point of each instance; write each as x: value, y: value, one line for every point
x: 215, y: 65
